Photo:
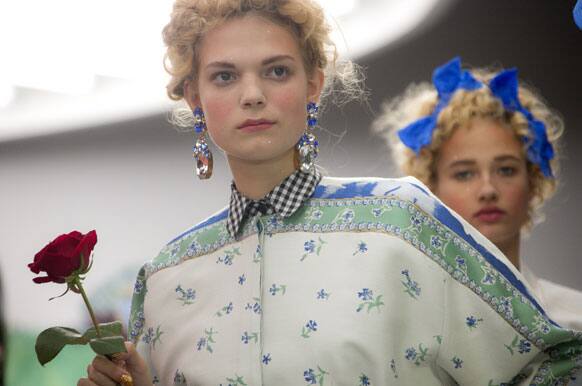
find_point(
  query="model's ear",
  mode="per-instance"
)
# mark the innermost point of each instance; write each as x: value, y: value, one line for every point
x: 191, y: 94
x: 315, y: 85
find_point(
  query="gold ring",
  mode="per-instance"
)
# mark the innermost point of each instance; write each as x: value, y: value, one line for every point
x: 126, y: 380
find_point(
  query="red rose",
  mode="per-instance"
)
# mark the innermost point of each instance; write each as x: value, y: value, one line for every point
x: 65, y: 255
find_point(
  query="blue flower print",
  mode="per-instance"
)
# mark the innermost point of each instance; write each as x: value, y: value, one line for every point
x: 310, y: 377
x: 225, y: 310
x: 185, y: 296
x: 246, y: 337
x: 228, y: 257
x: 311, y: 247
x: 365, y: 294
x: 522, y: 346
x: 138, y: 287
x: 410, y: 353
x: 364, y: 380
x: 193, y: 248
x: 275, y: 289
x: 322, y: 294
x: 461, y: 264
x: 348, y: 216
x: 505, y: 306
x: 473, y: 322
x: 361, y: 248
x: 458, y: 362
x: 309, y: 327
x: 242, y: 279
x: 266, y: 359
x: 369, y: 301
x: 137, y: 325
x: 436, y: 242
x: 316, y: 214
x: 417, y: 357
x: 254, y: 307
x: 206, y: 341
x: 152, y: 337
x: 411, y: 287
x: 313, y: 378
x: 201, y: 343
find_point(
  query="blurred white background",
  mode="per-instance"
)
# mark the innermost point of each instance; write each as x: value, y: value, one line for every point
x: 84, y: 142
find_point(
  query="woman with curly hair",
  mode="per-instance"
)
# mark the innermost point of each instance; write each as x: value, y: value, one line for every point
x: 487, y: 146
x: 306, y: 279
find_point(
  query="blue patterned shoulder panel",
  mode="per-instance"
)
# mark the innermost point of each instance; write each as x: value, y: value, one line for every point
x: 222, y: 215
x: 412, y: 190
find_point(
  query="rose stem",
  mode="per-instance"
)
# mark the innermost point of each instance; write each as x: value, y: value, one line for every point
x: 86, y: 300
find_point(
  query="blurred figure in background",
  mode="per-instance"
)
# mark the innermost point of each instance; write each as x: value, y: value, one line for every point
x: 487, y: 146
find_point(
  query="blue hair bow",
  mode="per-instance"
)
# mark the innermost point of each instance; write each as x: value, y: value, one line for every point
x: 449, y: 78
x: 539, y: 150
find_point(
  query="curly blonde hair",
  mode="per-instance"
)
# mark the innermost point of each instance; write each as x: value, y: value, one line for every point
x: 420, y: 100
x: 305, y: 19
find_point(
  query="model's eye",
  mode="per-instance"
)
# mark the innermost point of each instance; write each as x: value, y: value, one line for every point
x: 223, y: 77
x: 278, y: 72
x: 507, y: 171
x: 463, y: 175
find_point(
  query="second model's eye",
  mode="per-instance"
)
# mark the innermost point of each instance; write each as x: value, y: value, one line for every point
x: 507, y: 171
x: 463, y: 175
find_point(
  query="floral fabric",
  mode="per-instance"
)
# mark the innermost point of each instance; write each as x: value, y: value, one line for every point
x: 370, y: 282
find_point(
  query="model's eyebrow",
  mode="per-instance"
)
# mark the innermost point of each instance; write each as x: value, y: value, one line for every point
x: 219, y: 64
x: 265, y: 62
x: 277, y: 58
x: 507, y: 157
x: 462, y: 162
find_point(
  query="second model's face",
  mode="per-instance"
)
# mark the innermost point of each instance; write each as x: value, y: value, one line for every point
x: 253, y: 88
x: 481, y: 174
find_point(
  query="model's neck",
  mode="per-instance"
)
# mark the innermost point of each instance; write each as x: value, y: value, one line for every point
x: 255, y: 179
x: 510, y: 248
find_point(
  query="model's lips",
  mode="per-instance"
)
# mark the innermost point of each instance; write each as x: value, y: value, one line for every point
x: 490, y: 214
x: 252, y: 125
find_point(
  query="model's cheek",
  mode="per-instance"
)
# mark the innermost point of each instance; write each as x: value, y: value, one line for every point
x: 518, y: 202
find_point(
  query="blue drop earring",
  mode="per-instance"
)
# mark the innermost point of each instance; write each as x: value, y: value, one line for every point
x: 308, y: 146
x: 202, y: 153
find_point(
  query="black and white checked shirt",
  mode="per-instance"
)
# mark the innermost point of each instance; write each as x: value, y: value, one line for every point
x: 284, y: 200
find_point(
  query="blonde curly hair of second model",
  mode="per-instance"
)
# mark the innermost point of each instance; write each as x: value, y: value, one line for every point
x: 419, y: 100
x: 191, y: 19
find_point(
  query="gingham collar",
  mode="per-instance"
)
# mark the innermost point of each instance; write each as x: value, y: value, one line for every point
x: 283, y: 200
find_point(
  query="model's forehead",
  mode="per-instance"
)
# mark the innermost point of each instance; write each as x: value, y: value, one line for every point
x: 247, y: 37
x: 483, y: 138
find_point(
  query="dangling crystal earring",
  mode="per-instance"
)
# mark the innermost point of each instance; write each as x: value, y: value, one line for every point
x: 308, y: 147
x: 202, y: 153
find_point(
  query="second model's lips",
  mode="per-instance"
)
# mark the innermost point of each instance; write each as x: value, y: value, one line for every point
x: 256, y: 124
x: 492, y: 214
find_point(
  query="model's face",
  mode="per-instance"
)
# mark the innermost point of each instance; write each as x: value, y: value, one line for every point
x: 482, y: 175
x: 253, y: 88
